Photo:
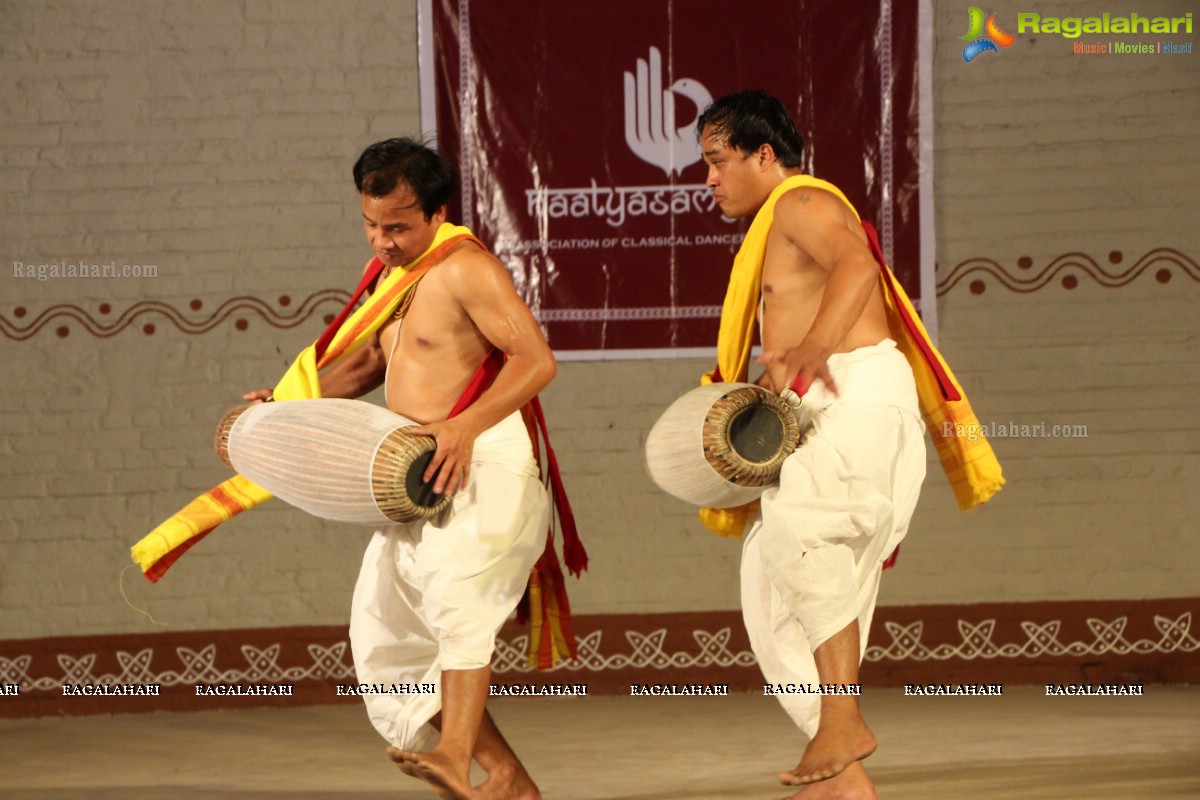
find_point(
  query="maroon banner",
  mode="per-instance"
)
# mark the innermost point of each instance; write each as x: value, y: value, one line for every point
x: 574, y: 128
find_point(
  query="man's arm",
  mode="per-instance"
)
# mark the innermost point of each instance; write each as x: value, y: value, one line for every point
x: 765, y: 382
x: 818, y: 227
x: 355, y: 375
x: 485, y: 291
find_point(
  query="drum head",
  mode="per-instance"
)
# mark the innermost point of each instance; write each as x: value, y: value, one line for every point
x: 396, y: 478
x: 756, y: 433
x: 721, y: 444
x: 419, y: 492
x: 747, y: 435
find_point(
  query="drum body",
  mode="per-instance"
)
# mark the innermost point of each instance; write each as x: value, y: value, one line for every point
x: 343, y: 460
x: 722, y: 444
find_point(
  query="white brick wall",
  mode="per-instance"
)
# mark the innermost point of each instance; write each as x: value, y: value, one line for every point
x: 214, y: 142
x: 217, y: 147
x: 1041, y: 153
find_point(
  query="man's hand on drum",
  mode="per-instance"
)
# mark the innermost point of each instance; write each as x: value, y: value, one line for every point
x: 801, y: 365
x: 452, y: 459
x: 258, y: 396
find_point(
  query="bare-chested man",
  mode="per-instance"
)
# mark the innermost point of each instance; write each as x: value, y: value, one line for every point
x: 431, y: 596
x: 812, y: 558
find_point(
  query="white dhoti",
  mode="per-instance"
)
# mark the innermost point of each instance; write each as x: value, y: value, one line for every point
x: 432, y: 595
x: 812, y: 560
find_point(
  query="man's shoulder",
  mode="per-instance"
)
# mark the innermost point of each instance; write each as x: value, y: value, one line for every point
x: 468, y: 248
x: 820, y: 196
x: 471, y: 275
x: 466, y: 259
x: 806, y: 211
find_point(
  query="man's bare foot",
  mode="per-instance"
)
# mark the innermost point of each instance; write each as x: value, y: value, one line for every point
x: 851, y: 784
x: 842, y: 739
x: 510, y: 782
x: 437, y: 769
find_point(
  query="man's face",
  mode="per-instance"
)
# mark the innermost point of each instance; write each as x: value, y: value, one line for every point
x: 733, y: 176
x: 397, y: 228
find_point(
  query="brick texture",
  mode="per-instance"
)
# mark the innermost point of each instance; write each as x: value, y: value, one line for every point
x: 216, y: 147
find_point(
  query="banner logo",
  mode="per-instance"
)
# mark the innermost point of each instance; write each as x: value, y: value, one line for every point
x: 982, y: 37
x: 1073, y: 27
x: 650, y: 124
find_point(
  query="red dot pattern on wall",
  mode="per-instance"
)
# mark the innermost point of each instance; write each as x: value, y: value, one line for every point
x: 1068, y: 271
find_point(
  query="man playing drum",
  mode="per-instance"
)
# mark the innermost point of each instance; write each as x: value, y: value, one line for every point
x: 432, y: 595
x: 812, y: 556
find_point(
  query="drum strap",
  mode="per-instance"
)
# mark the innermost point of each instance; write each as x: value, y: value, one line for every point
x: 397, y: 315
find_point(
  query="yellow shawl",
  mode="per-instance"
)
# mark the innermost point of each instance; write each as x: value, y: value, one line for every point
x: 971, y: 466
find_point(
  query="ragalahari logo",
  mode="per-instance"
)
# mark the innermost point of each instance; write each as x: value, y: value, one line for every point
x: 650, y: 123
x: 982, y: 36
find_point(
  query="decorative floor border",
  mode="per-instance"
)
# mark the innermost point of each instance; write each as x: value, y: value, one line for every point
x: 978, y: 274
x: 1147, y: 641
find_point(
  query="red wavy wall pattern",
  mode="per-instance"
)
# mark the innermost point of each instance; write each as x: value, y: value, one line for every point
x: 977, y: 273
x: 102, y: 324
x: 1072, y: 267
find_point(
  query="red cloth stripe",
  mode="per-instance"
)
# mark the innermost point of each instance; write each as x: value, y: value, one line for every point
x: 369, y: 276
x: 574, y: 554
x: 163, y: 564
x: 920, y: 339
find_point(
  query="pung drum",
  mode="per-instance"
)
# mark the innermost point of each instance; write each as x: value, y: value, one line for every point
x: 722, y: 444
x: 343, y: 460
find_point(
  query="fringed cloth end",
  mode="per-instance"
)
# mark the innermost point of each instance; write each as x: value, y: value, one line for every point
x: 548, y: 611
x: 545, y: 605
x: 153, y: 565
x: 969, y: 462
x: 970, y: 466
x: 158, y: 550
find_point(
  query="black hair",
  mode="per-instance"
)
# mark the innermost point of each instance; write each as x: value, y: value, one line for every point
x: 745, y: 120
x: 384, y: 165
